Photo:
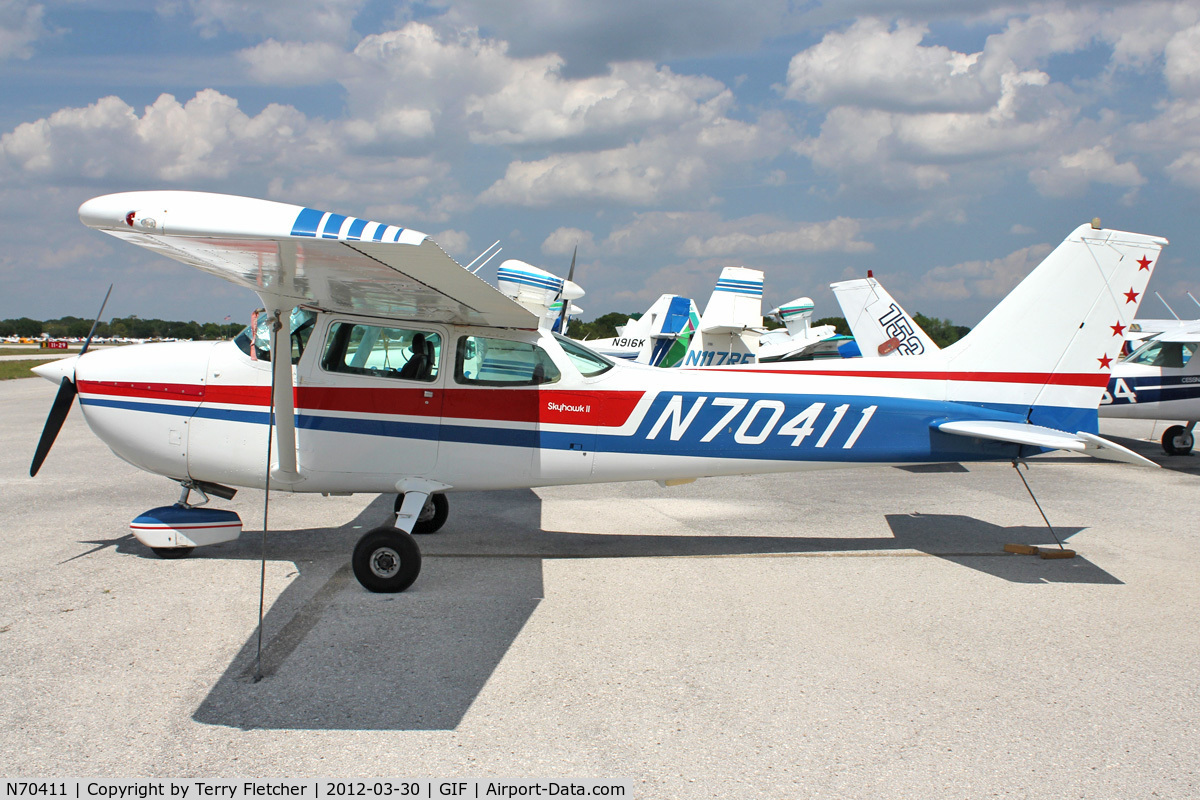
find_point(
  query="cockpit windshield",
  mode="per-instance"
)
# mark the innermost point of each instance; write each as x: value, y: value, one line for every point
x: 1156, y: 353
x: 588, y: 363
x: 300, y: 328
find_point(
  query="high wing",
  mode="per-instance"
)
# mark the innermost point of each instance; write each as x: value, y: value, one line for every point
x: 306, y: 256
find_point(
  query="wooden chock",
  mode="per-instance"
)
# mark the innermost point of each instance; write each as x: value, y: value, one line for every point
x: 1050, y: 552
x: 1021, y: 549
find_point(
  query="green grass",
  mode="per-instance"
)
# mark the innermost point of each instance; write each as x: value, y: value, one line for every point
x: 20, y: 369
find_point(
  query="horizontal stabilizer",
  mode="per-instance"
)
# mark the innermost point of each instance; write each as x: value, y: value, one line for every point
x: 1038, y: 436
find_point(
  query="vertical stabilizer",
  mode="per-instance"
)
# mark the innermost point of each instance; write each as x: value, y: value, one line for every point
x: 732, y: 320
x: 1059, y: 332
x: 878, y: 323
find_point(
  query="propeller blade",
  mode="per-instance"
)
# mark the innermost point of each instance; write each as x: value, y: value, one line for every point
x: 54, y: 423
x: 566, y: 304
x: 87, y: 342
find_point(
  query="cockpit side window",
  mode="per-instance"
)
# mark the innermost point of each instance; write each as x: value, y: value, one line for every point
x: 300, y: 327
x: 382, y: 352
x: 588, y: 363
x: 1171, y: 355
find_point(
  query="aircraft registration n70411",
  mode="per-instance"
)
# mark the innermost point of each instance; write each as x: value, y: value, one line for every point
x: 409, y: 374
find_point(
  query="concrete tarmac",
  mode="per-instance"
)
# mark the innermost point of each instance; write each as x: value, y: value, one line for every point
x: 847, y: 634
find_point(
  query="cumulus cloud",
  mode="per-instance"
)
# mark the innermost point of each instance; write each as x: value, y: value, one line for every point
x: 295, y: 63
x: 1073, y: 172
x: 645, y: 172
x: 20, y: 26
x: 563, y: 241
x: 747, y: 237
x: 653, y: 229
x: 210, y: 139
x: 907, y: 115
x: 207, y: 137
x: 638, y: 174
x: 597, y: 34
x: 299, y: 20
x: 706, y: 235
x: 875, y: 65
x: 1182, y: 67
x: 982, y: 280
x: 454, y: 242
x: 1185, y: 170
x: 488, y: 97
x: 536, y: 104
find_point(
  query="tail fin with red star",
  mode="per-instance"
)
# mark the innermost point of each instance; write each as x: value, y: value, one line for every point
x: 1059, y: 331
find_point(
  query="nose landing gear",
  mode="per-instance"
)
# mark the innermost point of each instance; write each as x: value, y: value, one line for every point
x: 433, y: 514
x: 1177, y: 440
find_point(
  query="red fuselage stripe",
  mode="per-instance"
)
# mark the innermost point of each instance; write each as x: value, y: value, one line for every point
x: 601, y: 409
x: 1052, y: 378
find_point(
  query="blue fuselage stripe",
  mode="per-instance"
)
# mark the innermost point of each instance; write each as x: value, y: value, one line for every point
x: 746, y: 426
x: 1154, y: 389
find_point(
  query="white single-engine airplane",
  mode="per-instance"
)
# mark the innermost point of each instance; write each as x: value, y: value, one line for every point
x: 403, y: 372
x: 658, y: 338
x: 730, y: 331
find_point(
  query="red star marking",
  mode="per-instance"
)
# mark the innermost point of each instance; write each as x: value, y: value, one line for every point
x: 1118, y: 329
x: 1131, y: 296
x: 1105, y: 362
x: 1144, y: 264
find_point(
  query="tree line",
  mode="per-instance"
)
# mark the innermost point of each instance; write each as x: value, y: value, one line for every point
x: 119, y: 327
x: 942, y: 331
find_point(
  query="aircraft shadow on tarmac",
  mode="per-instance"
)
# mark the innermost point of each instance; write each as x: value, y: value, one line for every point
x: 340, y: 658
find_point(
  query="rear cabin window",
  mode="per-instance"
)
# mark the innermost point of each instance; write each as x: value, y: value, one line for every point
x: 500, y: 362
x: 381, y: 352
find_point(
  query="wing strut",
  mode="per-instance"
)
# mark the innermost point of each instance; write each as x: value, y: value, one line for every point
x: 283, y: 396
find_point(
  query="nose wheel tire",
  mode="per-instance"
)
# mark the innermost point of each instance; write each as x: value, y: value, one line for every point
x: 433, y: 515
x: 1177, y: 441
x: 172, y: 552
x: 386, y: 560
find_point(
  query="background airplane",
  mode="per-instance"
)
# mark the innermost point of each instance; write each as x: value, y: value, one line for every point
x: 800, y: 339
x: 731, y: 329
x: 659, y: 338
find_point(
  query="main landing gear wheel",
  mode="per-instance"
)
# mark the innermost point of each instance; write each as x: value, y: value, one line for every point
x: 433, y: 515
x: 1177, y: 441
x: 172, y: 552
x: 386, y: 560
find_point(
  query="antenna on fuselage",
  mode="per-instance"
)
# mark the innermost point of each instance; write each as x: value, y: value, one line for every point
x: 1164, y: 302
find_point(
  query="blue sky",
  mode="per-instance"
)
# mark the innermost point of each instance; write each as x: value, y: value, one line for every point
x: 948, y: 151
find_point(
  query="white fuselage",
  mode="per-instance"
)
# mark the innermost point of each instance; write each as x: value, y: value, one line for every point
x: 199, y: 411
